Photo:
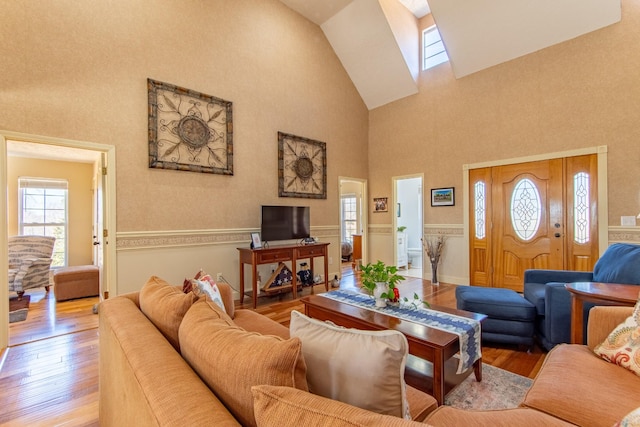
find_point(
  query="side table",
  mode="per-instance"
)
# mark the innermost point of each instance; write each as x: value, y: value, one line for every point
x: 601, y: 293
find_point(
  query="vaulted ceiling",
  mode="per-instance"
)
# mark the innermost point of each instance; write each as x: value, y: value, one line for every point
x: 377, y: 41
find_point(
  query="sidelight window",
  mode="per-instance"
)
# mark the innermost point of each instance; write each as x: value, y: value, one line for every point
x: 480, y: 209
x: 581, y: 211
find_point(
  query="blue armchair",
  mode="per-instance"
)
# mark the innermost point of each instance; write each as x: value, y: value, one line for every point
x: 620, y: 263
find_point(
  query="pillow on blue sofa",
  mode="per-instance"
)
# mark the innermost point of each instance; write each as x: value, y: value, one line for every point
x: 620, y: 263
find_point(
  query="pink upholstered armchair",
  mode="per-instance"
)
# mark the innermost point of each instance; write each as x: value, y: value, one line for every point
x: 29, y: 262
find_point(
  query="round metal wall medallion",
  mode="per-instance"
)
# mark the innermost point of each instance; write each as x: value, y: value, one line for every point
x: 194, y: 131
x: 304, y: 167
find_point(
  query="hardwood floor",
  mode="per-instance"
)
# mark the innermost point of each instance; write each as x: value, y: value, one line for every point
x: 53, y: 380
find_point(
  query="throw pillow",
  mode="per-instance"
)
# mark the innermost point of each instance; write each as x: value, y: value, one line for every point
x: 231, y: 360
x: 165, y: 306
x: 272, y: 405
x: 361, y: 368
x: 206, y: 286
x: 632, y: 419
x: 186, y: 284
x: 622, y: 346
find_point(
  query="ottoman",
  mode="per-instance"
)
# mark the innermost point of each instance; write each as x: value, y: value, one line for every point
x: 510, y: 318
x: 76, y: 282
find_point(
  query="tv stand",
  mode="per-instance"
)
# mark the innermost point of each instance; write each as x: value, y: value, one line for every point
x: 276, y: 254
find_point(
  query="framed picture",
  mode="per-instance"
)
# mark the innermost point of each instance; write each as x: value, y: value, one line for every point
x: 188, y: 130
x: 442, y: 197
x: 256, y: 242
x: 380, y: 204
x: 302, y: 167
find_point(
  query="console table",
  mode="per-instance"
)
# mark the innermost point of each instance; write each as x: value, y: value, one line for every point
x: 277, y: 254
x: 601, y: 293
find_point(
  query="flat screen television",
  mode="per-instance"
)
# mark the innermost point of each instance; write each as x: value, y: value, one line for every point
x: 285, y: 223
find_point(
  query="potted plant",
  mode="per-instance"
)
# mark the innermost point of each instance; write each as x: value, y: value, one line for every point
x: 380, y: 281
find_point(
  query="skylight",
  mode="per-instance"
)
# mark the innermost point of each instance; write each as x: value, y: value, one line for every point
x: 433, y: 52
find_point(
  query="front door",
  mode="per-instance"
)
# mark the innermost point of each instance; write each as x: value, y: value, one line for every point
x: 532, y: 215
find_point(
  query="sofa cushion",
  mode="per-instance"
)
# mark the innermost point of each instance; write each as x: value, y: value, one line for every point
x: 361, y: 368
x: 620, y: 263
x: 622, y: 346
x: 497, y: 303
x: 165, y: 306
x: 449, y: 416
x: 231, y: 360
x: 251, y: 321
x: 272, y: 405
x: 588, y: 386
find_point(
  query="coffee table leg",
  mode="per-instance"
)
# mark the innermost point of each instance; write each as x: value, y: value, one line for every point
x: 438, y: 377
x: 477, y: 369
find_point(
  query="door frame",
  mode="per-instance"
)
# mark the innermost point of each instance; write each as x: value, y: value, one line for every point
x: 110, y: 268
x: 393, y: 208
x: 603, y: 206
x: 363, y: 213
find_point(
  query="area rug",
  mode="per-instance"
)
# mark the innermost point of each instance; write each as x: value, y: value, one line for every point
x: 18, y: 309
x: 499, y: 389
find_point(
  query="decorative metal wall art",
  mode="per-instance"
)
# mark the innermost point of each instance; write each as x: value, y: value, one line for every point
x: 302, y: 167
x: 189, y: 130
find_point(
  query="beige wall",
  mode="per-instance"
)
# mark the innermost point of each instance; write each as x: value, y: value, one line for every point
x: 78, y: 70
x: 581, y: 93
x: 80, y: 178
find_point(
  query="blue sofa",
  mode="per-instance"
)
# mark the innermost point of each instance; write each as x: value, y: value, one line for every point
x: 620, y: 263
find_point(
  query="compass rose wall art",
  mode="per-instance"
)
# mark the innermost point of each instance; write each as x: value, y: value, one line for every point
x: 188, y: 130
x: 302, y: 167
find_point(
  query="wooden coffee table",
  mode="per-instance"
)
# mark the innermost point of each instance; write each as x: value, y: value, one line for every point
x: 600, y: 293
x: 430, y: 344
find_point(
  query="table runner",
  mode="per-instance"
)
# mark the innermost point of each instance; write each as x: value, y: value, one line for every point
x: 468, y: 330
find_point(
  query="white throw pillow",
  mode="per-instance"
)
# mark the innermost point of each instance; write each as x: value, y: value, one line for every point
x: 208, y: 287
x: 361, y: 368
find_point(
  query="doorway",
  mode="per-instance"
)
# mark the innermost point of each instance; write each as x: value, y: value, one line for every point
x: 353, y: 222
x: 102, y: 157
x: 409, y: 220
x: 541, y: 214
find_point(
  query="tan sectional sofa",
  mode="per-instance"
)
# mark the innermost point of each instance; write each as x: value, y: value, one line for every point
x: 161, y: 375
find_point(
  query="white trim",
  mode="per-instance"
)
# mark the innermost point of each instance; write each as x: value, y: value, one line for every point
x: 145, y: 240
x: 4, y: 255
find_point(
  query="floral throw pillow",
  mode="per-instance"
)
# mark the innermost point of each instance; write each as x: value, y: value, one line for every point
x: 632, y: 419
x: 622, y: 346
x: 205, y: 285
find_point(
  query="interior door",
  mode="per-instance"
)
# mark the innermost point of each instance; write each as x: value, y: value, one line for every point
x: 528, y: 223
x: 98, y: 218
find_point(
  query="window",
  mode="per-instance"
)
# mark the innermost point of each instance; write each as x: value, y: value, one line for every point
x: 349, y: 217
x: 433, y: 52
x: 43, y: 212
x: 480, y: 209
x: 581, y: 212
x: 526, y: 209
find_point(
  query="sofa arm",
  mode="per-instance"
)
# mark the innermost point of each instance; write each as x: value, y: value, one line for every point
x: 603, y: 320
x: 564, y: 276
x: 557, y: 313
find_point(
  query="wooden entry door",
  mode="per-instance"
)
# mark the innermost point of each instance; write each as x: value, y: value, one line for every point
x: 532, y: 215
